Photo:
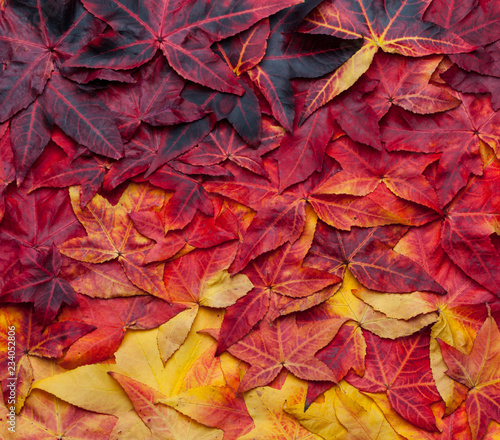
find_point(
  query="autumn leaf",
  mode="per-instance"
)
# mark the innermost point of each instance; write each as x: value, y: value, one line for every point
x: 31, y: 340
x: 278, y: 344
x: 472, y: 249
x: 39, y: 283
x: 246, y: 49
x: 290, y: 55
x: 224, y: 143
x: 201, y: 277
x: 266, y: 408
x: 7, y: 172
x: 456, y: 133
x: 278, y: 279
x: 343, y: 413
x: 363, y: 169
x: 111, y: 320
x: 405, y: 82
x: 47, y: 417
x: 347, y: 350
x: 111, y: 235
x: 369, y: 255
x: 411, y: 371
x: 387, y: 28
x: 152, y: 98
x: 482, y: 380
x: 139, y: 32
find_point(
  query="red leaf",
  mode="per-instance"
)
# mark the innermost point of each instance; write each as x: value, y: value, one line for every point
x: 282, y: 344
x: 370, y: 257
x: 401, y: 368
x: 472, y: 218
x: 246, y: 49
x: 456, y: 133
x: 141, y: 29
x: 479, y: 372
x: 111, y: 319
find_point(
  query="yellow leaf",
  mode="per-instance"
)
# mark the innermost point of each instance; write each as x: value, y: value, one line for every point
x: 222, y: 290
x: 174, y: 332
x: 265, y: 406
x: 360, y: 416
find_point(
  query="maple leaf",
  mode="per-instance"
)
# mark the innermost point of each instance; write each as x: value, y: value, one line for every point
x: 27, y: 221
x: 31, y: 341
x: 223, y: 143
x: 281, y: 217
x: 481, y: 379
x: 450, y: 426
x: 217, y: 407
x: 477, y: 23
x: 39, y: 283
x: 265, y: 405
x: 405, y: 82
x: 59, y: 418
x: 282, y: 344
x: 469, y: 82
x: 456, y: 133
x: 387, y: 27
x: 111, y: 235
x: 139, y: 31
x: 202, y: 232
x: 471, y: 248
x: 347, y: 349
x: 484, y: 60
x: 153, y: 97
x: 363, y: 169
x: 7, y: 171
x: 33, y: 91
x: 242, y: 112
x: 368, y: 254
x: 278, y: 278
x: 150, y: 148
x: 246, y: 49
x: 201, y: 277
x: 111, y: 320
x: 162, y: 420
x: 47, y: 417
x: 189, y: 197
x: 461, y: 311
x: 55, y: 169
x: 409, y: 385
x: 344, y: 412
x: 291, y: 55
x: 139, y: 363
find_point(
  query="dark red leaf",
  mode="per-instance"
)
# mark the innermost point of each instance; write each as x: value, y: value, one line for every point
x: 39, y: 283
x: 184, y: 33
x: 370, y: 257
x: 401, y: 368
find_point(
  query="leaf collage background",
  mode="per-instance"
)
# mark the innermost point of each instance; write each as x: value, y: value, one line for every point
x: 250, y: 220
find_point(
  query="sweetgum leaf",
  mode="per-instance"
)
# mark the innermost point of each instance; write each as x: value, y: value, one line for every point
x: 480, y: 377
x: 183, y: 31
x: 246, y: 49
x: 401, y: 369
x: 393, y: 26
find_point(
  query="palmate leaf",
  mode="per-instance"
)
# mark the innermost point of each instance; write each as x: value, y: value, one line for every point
x: 282, y: 344
x: 294, y: 55
x: 478, y: 371
x: 456, y: 133
x: 33, y: 90
x: 393, y: 26
x: 140, y: 30
x: 111, y: 235
x: 408, y: 384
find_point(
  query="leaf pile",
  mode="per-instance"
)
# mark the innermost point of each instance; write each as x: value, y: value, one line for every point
x: 250, y: 220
